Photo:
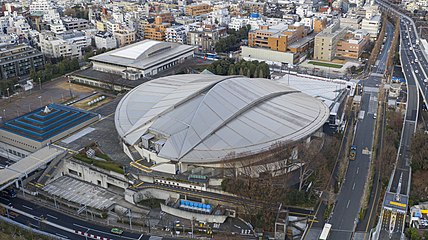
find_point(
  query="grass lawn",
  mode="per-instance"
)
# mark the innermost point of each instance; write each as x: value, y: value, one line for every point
x: 323, y: 64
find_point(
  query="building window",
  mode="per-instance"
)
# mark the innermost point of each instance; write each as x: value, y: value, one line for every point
x: 72, y: 172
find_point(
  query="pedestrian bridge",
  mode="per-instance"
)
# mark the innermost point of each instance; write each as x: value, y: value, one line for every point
x: 27, y: 165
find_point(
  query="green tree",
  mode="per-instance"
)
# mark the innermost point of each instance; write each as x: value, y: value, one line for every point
x: 261, y: 73
x: 248, y: 72
x: 75, y: 64
x: 241, y: 71
x: 232, y: 70
x: 419, y: 151
x: 61, y: 68
x: 219, y: 70
x: 413, y: 234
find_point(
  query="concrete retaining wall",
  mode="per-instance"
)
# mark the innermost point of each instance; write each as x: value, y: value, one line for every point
x: 154, y: 193
x: 194, y: 216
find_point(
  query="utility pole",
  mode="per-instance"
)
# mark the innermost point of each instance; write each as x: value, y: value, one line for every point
x: 130, y: 219
x: 191, y: 223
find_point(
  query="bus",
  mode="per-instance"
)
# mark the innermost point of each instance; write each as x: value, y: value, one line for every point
x: 325, y: 232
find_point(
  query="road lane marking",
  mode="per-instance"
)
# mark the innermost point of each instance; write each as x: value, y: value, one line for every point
x: 77, y: 225
x: 27, y: 207
x: 5, y: 199
x: 358, y: 168
x: 353, y: 186
x: 140, y: 236
x: 60, y: 235
x: 51, y: 216
x: 347, y: 205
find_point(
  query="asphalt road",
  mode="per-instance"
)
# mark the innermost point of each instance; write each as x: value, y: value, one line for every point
x: 414, y: 74
x: 62, y: 220
x: 407, y: 57
x: 346, y: 210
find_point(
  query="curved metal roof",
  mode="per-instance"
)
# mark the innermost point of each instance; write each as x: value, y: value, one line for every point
x: 207, y: 118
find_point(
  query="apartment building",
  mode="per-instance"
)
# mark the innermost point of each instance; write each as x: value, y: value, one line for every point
x: 237, y: 23
x: 197, y: 10
x: 372, y: 26
x: 353, y: 44
x: 54, y: 47
x: 57, y: 27
x: 18, y: 60
x: 219, y: 16
x: 124, y: 37
x: 69, y: 44
x: 326, y: 41
x: 111, y: 26
x: 8, y: 39
x: 75, y: 23
x: 101, y: 26
x: 40, y: 6
x: 177, y: 34
x: 50, y: 15
x: 20, y: 27
x: 105, y: 40
x: 319, y: 24
x: 166, y: 16
x: 254, y: 7
x: 205, y: 37
x: 156, y: 30
x: 276, y: 38
x: 351, y: 22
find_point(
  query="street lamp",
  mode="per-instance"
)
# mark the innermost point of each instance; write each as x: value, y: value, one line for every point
x: 8, y: 95
x: 69, y: 87
x: 40, y: 98
x: 40, y: 83
x: 130, y: 219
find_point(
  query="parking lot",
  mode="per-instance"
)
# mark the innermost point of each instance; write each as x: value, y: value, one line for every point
x: 81, y: 193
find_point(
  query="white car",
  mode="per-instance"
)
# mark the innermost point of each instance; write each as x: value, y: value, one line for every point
x: 416, y: 71
x: 426, y: 80
x: 416, y: 60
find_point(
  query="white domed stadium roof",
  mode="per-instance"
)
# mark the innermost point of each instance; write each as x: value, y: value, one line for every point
x: 202, y: 118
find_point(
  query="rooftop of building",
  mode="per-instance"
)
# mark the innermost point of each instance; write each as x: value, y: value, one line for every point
x: 47, y: 122
x: 203, y: 118
x: 104, y: 34
x: 71, y: 20
x: 303, y: 41
x: 144, y: 54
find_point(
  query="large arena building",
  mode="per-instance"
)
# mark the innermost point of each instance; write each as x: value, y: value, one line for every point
x: 206, y: 120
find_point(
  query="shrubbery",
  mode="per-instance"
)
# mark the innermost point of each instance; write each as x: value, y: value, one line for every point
x: 107, y: 165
